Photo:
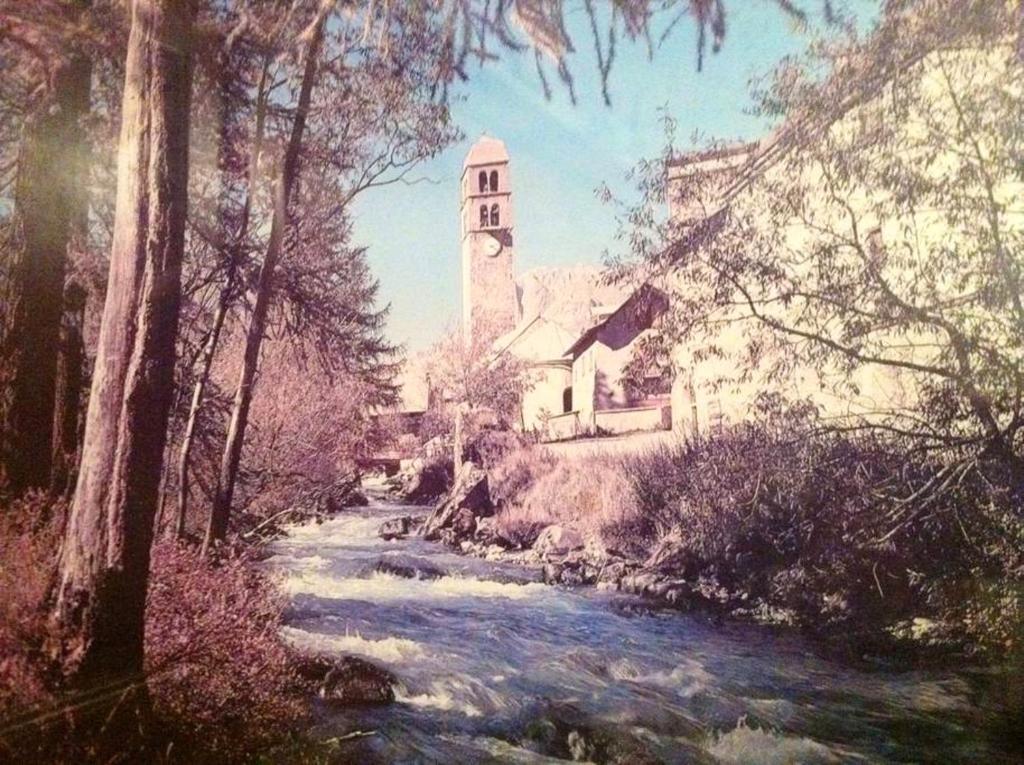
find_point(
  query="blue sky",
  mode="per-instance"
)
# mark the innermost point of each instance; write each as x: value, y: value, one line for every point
x: 560, y: 154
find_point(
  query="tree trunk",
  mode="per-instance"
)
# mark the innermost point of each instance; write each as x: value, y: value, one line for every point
x: 104, y: 561
x: 198, y: 391
x: 70, y: 382
x: 49, y: 198
x: 237, y: 250
x: 220, y: 513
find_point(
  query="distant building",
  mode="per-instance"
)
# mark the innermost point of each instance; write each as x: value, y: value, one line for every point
x: 599, y: 360
x: 575, y: 371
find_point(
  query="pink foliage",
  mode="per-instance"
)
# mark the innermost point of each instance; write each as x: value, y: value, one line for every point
x: 213, y: 650
x: 29, y: 536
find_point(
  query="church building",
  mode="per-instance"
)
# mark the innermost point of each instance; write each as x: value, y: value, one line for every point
x: 576, y: 338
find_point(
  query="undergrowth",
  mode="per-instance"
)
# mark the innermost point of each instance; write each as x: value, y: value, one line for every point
x: 856, y: 538
x: 222, y: 684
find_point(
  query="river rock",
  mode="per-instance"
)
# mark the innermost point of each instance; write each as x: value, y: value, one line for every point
x: 557, y: 540
x: 470, y: 494
x: 612, y: 573
x: 395, y: 528
x: 487, y: 533
x: 552, y: 573
x: 567, y: 733
x: 425, y: 483
x: 639, y: 582
x: 464, y: 523
x: 408, y: 567
x: 523, y: 535
x: 672, y: 556
x: 356, y: 498
x: 353, y: 681
x: 346, y: 681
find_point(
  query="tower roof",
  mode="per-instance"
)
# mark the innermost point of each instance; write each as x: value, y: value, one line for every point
x: 486, y: 151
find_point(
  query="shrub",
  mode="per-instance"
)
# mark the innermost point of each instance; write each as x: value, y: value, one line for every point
x: 222, y: 678
x: 853, y: 536
x: 29, y: 537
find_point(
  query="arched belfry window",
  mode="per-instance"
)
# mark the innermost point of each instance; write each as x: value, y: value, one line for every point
x: 494, y: 180
x: 485, y: 221
x: 494, y: 216
x: 483, y: 180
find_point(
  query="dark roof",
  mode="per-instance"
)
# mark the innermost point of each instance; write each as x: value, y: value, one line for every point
x: 719, y: 152
x: 658, y: 301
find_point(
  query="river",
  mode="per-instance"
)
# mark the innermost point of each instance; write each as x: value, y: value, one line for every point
x: 498, y: 667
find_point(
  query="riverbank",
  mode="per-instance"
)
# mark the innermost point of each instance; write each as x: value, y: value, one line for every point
x: 850, y: 541
x: 221, y: 682
x: 493, y: 665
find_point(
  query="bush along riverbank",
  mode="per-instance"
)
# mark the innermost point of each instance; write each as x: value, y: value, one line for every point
x: 854, y: 540
x: 222, y: 684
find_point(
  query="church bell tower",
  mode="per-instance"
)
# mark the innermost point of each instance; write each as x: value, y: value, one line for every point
x: 490, y: 305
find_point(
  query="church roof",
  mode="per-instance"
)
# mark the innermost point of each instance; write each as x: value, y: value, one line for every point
x: 538, y: 340
x: 644, y: 306
x: 486, y: 151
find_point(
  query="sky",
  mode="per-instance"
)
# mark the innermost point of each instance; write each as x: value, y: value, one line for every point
x: 561, y: 153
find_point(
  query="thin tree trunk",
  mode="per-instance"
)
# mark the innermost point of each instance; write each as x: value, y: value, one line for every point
x: 48, y: 200
x: 198, y: 391
x: 104, y: 561
x: 223, y: 304
x: 70, y: 382
x: 220, y: 513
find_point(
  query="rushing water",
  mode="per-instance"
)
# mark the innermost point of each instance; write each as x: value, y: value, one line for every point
x: 497, y: 667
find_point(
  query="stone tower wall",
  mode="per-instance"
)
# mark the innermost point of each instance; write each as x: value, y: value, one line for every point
x: 490, y: 305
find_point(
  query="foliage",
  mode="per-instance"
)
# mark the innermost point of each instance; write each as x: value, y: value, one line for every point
x: 311, y: 426
x: 30, y: 530
x: 533, y: 489
x: 877, y: 233
x: 487, y: 386
x: 649, y: 371
x: 222, y: 679
x: 846, y: 535
x: 222, y: 682
x: 852, y: 537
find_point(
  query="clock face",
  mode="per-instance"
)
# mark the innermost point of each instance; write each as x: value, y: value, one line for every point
x: 492, y: 247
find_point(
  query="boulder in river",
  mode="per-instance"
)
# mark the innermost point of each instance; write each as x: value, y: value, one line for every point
x: 356, y: 498
x: 557, y: 540
x: 408, y: 567
x: 395, y: 528
x: 470, y: 494
x: 348, y: 681
x: 566, y: 732
x: 425, y: 483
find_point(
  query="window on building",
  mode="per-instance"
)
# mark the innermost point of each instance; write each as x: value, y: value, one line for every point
x: 483, y: 180
x: 494, y: 180
x: 495, y: 221
x: 485, y: 220
x: 567, y: 399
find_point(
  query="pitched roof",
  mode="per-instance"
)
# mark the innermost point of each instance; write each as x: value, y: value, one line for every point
x: 646, y: 295
x: 538, y: 340
x: 486, y: 151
